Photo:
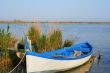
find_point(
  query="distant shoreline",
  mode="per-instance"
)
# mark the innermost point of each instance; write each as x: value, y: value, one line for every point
x: 19, y: 22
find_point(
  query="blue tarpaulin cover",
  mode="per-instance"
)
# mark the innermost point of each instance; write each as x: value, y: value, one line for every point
x: 83, y: 47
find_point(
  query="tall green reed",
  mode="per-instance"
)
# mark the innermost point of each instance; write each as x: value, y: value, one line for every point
x: 43, y: 42
x: 6, y: 40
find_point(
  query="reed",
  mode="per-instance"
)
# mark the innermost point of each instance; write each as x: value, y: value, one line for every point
x: 55, y: 39
x: 41, y: 43
x: 68, y: 43
x: 51, y: 41
x: 6, y: 41
x: 34, y: 34
x: 22, y: 41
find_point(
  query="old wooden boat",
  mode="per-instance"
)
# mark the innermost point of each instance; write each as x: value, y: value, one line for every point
x: 57, y: 60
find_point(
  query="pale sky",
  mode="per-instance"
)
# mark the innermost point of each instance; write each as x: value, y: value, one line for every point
x: 55, y: 10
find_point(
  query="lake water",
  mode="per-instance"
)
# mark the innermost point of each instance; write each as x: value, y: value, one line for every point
x: 98, y: 35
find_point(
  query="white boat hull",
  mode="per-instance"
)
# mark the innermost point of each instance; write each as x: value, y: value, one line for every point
x: 40, y: 64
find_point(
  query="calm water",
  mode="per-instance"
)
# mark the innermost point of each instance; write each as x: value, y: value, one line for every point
x: 97, y: 34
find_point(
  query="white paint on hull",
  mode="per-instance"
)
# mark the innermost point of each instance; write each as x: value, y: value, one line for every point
x: 38, y: 64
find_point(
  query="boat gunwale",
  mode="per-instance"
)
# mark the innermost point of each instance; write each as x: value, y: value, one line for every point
x: 28, y: 53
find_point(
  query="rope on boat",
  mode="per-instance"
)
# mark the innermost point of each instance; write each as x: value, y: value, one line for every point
x: 18, y: 63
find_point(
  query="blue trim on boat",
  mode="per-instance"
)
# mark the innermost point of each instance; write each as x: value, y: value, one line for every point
x: 59, y: 58
x: 65, y: 53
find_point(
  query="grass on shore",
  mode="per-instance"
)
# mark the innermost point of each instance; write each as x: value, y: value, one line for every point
x: 6, y: 41
x: 51, y: 41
